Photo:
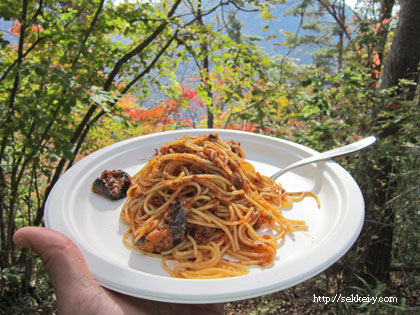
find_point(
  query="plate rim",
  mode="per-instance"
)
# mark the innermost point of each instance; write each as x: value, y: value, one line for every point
x: 54, y: 200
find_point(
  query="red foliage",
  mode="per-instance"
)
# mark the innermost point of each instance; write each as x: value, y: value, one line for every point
x: 393, y: 105
x: 188, y: 94
x: 384, y: 22
x: 376, y: 62
x: 16, y: 29
x: 168, y: 112
x: 250, y: 127
x: 191, y: 96
x: 186, y: 122
x: 154, y: 115
x: 147, y: 115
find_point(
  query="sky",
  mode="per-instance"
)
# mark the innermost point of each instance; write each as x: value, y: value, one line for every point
x: 351, y: 3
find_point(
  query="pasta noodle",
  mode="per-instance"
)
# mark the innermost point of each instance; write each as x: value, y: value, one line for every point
x: 201, y: 207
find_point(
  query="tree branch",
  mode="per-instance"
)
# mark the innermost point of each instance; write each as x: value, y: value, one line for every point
x: 38, y: 12
x: 84, y: 126
x: 333, y: 12
x: 138, y: 49
x: 13, y: 92
x: 152, y: 64
x: 126, y: 89
x: 92, y: 24
x: 23, y: 56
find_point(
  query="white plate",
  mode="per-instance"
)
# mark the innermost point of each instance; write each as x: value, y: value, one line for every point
x: 92, y: 221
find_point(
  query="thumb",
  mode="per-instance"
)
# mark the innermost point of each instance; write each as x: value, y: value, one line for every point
x: 62, y: 260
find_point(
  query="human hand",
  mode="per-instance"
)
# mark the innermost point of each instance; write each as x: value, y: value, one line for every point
x: 77, y: 290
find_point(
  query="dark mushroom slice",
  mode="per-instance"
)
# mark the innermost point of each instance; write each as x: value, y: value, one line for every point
x: 178, y: 223
x: 112, y: 184
x: 168, y: 233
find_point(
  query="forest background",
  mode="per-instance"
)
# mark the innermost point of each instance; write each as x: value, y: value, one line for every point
x: 78, y: 75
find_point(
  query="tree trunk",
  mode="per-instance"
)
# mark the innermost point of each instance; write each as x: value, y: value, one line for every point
x: 385, y: 15
x: 382, y: 33
x: 402, y: 63
x: 404, y: 56
x: 342, y: 17
x: 205, y: 70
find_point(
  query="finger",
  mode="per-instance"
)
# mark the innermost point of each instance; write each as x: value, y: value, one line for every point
x: 62, y: 259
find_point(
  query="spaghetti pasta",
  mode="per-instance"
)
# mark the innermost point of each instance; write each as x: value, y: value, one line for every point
x: 200, y: 206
